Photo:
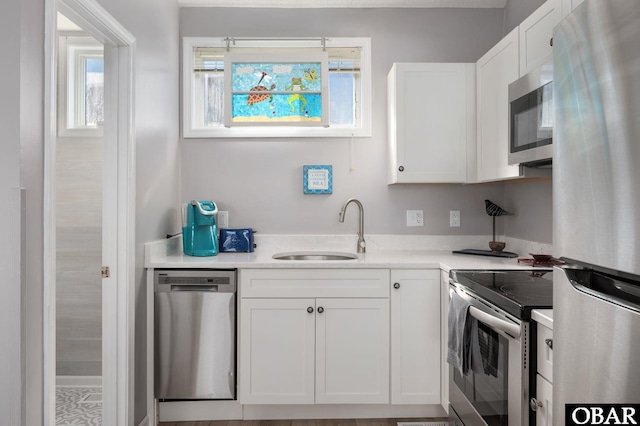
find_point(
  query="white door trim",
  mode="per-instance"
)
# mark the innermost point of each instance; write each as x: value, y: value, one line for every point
x: 119, y: 203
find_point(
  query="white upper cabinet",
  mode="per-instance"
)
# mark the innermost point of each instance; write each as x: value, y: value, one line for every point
x: 431, y: 121
x: 569, y: 5
x: 495, y: 71
x: 536, y: 33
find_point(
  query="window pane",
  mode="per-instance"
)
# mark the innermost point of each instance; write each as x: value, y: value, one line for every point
x: 94, y: 91
x: 213, y: 99
x: 341, y: 99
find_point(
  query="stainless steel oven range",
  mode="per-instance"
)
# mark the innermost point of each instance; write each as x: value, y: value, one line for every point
x: 501, y: 302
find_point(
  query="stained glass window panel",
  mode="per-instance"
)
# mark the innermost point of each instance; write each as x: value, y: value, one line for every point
x: 280, y: 92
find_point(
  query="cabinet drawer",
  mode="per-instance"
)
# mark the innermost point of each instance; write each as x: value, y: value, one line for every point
x: 545, y: 352
x: 280, y: 283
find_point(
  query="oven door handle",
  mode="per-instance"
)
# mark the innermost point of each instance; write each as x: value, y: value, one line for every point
x: 494, y: 322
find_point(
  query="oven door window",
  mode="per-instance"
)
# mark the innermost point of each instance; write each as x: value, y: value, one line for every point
x: 532, y: 119
x: 486, y: 392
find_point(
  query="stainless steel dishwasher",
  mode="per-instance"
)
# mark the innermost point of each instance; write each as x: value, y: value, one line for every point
x: 195, y: 334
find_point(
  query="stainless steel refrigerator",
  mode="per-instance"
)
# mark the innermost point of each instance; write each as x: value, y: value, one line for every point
x: 596, y: 205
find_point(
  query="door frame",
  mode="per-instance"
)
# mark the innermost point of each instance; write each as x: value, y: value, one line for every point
x: 118, y: 301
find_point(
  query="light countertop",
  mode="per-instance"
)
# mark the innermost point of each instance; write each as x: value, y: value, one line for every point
x: 168, y: 254
x: 543, y: 316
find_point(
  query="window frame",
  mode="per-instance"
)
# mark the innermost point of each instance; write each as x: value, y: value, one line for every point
x: 363, y: 125
x: 71, y: 84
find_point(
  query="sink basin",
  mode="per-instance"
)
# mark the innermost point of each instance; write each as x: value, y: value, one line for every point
x: 315, y: 255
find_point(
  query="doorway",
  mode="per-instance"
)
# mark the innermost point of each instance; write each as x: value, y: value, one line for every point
x: 89, y: 230
x: 79, y: 205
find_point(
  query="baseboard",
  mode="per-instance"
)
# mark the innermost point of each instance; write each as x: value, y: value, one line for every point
x: 79, y: 381
x: 176, y: 411
x: 189, y: 411
x: 339, y: 411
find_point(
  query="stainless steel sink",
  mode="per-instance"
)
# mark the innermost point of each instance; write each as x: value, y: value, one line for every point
x: 315, y: 255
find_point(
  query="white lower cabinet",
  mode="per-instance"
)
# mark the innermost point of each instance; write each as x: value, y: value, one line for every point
x: 544, y: 413
x: 277, y: 351
x: 416, y: 361
x: 544, y: 379
x: 315, y: 350
x: 352, y: 351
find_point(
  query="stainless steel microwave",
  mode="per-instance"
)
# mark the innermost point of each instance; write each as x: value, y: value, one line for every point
x: 531, y: 118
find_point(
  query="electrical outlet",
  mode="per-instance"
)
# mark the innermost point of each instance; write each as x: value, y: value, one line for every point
x: 415, y: 218
x: 454, y: 218
x: 223, y: 219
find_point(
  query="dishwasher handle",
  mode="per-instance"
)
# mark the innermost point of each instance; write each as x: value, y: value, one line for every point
x: 199, y: 288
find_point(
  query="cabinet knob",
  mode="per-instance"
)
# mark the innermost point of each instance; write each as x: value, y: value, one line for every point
x: 310, y: 309
x: 549, y: 343
x: 401, y: 168
x: 320, y: 309
x: 551, y: 42
x: 396, y: 285
x: 535, y: 404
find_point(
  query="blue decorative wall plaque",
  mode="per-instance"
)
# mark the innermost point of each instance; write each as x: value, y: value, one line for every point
x: 317, y: 179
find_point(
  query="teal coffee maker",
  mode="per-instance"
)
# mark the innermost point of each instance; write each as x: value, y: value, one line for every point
x: 199, y: 229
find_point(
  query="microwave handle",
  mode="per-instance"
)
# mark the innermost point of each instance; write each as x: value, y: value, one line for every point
x: 494, y: 322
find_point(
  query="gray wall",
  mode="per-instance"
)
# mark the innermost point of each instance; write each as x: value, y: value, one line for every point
x: 516, y: 11
x: 155, y: 26
x: 259, y: 181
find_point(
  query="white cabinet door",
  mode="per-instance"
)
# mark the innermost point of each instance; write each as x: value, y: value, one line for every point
x: 569, y: 5
x: 352, y: 351
x: 277, y: 344
x: 536, y: 33
x: 495, y: 71
x: 544, y: 413
x: 431, y: 122
x: 415, y: 337
x: 545, y: 352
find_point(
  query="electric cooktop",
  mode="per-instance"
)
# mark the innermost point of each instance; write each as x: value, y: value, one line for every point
x: 515, y: 291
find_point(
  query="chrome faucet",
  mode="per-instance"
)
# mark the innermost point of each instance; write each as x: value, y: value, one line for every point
x: 362, y: 246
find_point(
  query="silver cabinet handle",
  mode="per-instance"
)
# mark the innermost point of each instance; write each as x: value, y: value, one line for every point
x: 549, y: 343
x: 320, y: 310
x: 310, y: 309
x: 396, y: 285
x: 535, y: 404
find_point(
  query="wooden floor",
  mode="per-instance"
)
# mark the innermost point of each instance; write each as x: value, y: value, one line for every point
x: 337, y: 422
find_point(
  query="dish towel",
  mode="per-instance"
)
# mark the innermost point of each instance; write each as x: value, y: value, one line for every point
x: 489, y: 348
x: 463, y: 350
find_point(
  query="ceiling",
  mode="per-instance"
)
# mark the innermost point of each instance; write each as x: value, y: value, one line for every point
x: 346, y: 3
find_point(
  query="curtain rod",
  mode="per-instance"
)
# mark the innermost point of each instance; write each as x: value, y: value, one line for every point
x: 232, y: 40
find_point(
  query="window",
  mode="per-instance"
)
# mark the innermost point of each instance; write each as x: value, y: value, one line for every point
x: 348, y: 84
x: 81, y: 86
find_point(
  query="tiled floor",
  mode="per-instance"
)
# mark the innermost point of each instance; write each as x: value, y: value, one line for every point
x: 77, y: 406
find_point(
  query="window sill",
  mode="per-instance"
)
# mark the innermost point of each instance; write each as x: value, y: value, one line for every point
x: 275, y: 132
x: 88, y: 132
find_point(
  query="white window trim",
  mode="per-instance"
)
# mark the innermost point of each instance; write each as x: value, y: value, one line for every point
x: 363, y: 130
x: 68, y: 85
